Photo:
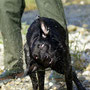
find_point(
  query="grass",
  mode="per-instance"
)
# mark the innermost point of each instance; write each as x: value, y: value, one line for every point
x: 1, y: 42
x: 24, y: 28
x: 30, y: 5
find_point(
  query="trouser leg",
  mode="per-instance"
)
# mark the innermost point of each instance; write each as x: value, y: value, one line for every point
x: 10, y: 27
x: 52, y: 9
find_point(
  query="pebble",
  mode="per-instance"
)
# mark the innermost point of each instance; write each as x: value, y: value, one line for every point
x: 87, y: 73
x: 80, y: 54
x: 71, y: 28
x: 82, y: 78
x: 51, y: 84
x: 18, y: 81
x: 82, y: 2
x: 86, y: 83
x: 88, y: 68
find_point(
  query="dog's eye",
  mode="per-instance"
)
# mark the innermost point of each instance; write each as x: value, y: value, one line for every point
x: 38, y: 46
x: 42, y: 45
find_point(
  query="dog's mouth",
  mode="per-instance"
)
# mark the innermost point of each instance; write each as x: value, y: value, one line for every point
x: 51, y: 61
x: 46, y: 62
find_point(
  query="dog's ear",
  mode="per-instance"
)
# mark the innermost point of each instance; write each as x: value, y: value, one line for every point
x: 44, y: 28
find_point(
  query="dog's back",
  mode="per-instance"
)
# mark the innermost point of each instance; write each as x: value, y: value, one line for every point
x: 56, y: 30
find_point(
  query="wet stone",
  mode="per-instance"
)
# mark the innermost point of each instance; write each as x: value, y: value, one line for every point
x: 71, y: 28
x: 87, y: 73
x: 80, y: 54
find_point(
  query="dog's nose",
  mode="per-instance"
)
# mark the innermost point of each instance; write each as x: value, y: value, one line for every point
x: 35, y: 56
x: 47, y: 57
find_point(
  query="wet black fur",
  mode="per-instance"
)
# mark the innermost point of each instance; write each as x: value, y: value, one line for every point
x: 50, y: 51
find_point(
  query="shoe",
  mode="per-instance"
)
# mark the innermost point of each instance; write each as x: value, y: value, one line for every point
x: 11, y: 74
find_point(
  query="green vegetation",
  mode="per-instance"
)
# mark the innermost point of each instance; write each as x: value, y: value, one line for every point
x: 30, y: 5
x: 24, y: 28
x: 81, y: 2
x: 1, y: 42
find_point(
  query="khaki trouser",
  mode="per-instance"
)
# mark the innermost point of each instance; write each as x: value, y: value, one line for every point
x: 10, y: 26
x: 52, y: 9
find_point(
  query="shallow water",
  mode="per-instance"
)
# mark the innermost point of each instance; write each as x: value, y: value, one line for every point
x: 78, y: 15
x: 75, y: 14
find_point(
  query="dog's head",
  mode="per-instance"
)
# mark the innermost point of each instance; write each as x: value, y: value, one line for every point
x: 44, y: 47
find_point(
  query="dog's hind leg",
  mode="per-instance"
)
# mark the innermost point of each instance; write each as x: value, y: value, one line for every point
x: 41, y: 76
x: 34, y: 81
x: 68, y: 78
x: 77, y: 82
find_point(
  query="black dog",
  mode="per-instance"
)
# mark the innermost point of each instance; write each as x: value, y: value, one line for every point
x: 46, y: 47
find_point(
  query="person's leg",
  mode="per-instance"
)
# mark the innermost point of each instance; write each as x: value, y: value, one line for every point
x: 10, y: 27
x: 53, y: 9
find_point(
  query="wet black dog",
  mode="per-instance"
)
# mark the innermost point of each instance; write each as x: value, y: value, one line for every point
x: 46, y: 47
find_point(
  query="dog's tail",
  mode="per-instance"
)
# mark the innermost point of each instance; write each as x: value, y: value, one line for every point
x: 44, y: 28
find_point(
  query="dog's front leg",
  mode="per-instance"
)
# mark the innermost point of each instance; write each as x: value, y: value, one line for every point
x: 41, y: 76
x: 30, y: 67
x: 68, y: 78
x: 34, y: 81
